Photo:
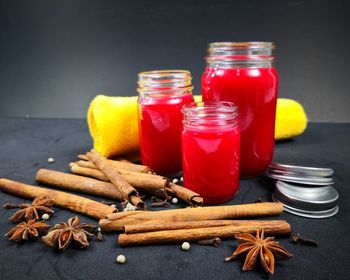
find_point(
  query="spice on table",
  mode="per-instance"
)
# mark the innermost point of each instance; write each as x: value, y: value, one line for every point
x: 266, y: 249
x: 169, y: 236
x: 9, y: 205
x: 163, y: 203
x: 99, y: 236
x: 128, y: 206
x: 156, y: 199
x: 65, y: 200
x: 86, y: 171
x: 128, y: 191
x: 77, y: 183
x: 40, y: 205
x: 212, y: 241
x: 108, y: 202
x: 185, y: 246
x: 175, y: 181
x: 50, y: 160
x: 118, y: 164
x: 150, y: 183
x: 190, y: 197
x: 27, y: 230
x: 63, y: 234
x: 298, y: 239
x: 117, y: 221
x: 121, y: 259
x: 273, y: 226
x: 45, y: 217
x: 174, y: 200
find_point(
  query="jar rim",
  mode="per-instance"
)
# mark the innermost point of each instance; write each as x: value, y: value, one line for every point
x: 240, y: 54
x: 193, y: 109
x: 161, y: 82
x: 242, y: 45
x: 210, y: 113
x: 162, y: 74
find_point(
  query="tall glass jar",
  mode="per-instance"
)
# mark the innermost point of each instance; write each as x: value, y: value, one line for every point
x: 161, y: 96
x: 210, y: 150
x: 242, y: 72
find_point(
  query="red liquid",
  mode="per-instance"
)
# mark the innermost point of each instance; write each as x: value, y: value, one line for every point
x: 211, y: 162
x: 254, y: 91
x: 160, y: 126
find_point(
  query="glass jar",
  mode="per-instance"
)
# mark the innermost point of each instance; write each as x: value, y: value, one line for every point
x: 161, y: 96
x: 243, y: 73
x: 211, y: 149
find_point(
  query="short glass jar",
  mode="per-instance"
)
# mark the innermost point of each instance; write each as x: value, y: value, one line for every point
x: 242, y: 72
x: 211, y: 150
x: 161, y: 97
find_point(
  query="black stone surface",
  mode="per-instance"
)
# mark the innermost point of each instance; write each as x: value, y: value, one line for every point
x: 25, y: 145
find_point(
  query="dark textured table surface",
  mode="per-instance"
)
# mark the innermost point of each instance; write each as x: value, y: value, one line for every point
x: 26, y: 144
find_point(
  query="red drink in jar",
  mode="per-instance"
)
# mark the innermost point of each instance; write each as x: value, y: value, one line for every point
x: 210, y: 150
x: 243, y: 73
x: 161, y: 96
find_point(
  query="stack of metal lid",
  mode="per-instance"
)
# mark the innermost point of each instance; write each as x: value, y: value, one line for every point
x: 305, y: 191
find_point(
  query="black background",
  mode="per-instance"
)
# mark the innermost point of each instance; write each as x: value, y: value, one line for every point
x: 55, y: 56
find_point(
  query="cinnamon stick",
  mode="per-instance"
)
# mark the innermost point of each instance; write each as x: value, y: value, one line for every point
x: 190, y: 197
x: 126, y: 158
x: 128, y: 191
x: 117, y: 221
x: 87, y: 164
x: 148, y: 227
x: 194, y: 234
x: 86, y: 171
x: 65, y: 200
x: 150, y: 183
x: 118, y: 164
x: 78, y: 183
x: 83, y: 157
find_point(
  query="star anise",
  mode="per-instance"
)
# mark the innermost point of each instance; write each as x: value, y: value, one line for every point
x: 39, y: 206
x: 62, y: 234
x: 27, y: 230
x: 259, y: 247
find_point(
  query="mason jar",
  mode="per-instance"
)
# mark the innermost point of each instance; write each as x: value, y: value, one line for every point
x: 211, y: 150
x: 243, y: 73
x: 161, y: 96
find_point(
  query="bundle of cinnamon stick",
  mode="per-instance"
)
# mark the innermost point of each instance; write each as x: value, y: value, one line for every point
x: 176, y: 232
x: 193, y: 224
x: 65, y: 200
x: 126, y: 174
x: 116, y: 180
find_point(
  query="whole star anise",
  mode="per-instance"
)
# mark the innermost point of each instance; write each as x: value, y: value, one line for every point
x: 259, y: 247
x: 27, y: 230
x: 39, y: 206
x: 62, y: 234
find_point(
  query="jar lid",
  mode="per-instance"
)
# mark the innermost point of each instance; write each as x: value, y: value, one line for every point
x: 314, y: 202
x: 308, y: 214
x: 306, y: 198
x: 299, y: 179
x: 287, y: 169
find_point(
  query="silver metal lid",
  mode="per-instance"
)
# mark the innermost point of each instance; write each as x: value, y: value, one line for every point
x: 301, y: 170
x: 308, y: 214
x: 301, y: 179
x: 306, y: 198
